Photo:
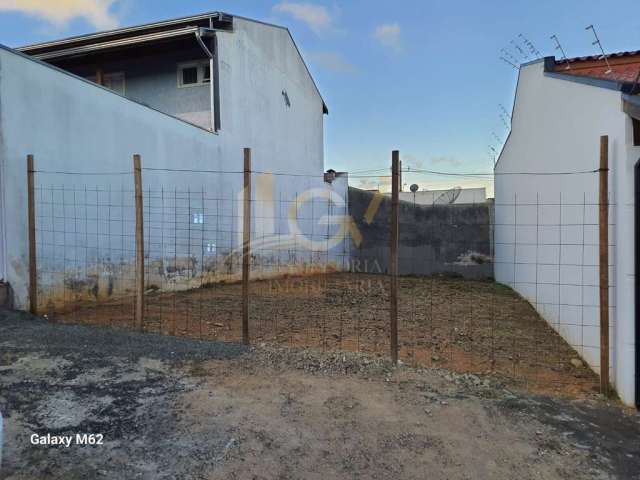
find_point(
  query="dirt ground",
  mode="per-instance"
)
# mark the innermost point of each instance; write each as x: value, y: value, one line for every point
x: 468, y: 326
x: 181, y: 408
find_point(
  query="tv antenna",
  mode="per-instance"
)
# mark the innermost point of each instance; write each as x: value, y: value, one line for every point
x: 509, y: 62
x: 531, y: 46
x: 520, y: 50
x: 508, y: 54
x: 504, y: 110
x: 448, y: 196
x: 597, y: 42
x: 559, y: 47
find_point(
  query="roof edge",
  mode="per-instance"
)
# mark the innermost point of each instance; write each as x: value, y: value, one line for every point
x: 325, y: 109
x: 624, y: 87
x: 533, y: 62
x: 122, y: 30
x: 159, y: 24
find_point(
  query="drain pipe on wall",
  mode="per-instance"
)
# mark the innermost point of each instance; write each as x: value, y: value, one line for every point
x: 205, y: 32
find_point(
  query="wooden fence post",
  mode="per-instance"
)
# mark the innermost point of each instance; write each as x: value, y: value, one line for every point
x: 31, y: 208
x: 393, y: 254
x: 246, y: 245
x: 139, y: 302
x: 604, y: 264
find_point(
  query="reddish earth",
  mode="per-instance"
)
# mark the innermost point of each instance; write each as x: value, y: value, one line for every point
x: 463, y: 325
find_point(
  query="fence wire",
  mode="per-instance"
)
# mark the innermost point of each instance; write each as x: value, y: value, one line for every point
x: 319, y: 269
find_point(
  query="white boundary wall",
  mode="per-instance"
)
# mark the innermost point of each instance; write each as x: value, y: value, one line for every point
x: 551, y: 257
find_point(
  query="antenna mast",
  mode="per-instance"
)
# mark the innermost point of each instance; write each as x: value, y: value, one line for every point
x: 532, y: 47
x: 597, y: 42
x: 559, y: 47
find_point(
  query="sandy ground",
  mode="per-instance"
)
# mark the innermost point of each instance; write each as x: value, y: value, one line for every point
x: 182, y: 408
x: 468, y: 326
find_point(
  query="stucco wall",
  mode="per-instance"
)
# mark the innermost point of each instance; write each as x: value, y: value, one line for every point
x: 546, y: 236
x: 155, y: 82
x: 73, y: 125
x: 151, y: 78
x: 257, y: 62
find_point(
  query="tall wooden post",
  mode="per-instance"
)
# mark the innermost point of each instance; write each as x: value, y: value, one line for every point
x: 604, y: 264
x: 393, y: 254
x: 139, y: 310
x: 31, y: 208
x: 246, y: 245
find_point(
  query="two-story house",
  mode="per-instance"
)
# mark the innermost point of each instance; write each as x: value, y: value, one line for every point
x: 186, y: 94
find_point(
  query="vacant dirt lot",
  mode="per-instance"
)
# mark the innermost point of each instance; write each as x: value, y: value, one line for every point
x: 182, y: 408
x: 463, y: 325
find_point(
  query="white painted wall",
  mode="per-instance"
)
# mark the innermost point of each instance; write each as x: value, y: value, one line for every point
x: 551, y: 257
x: 73, y: 125
x: 429, y: 197
x: 257, y: 62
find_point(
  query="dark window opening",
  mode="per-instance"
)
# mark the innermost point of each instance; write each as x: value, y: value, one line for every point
x: 636, y: 131
x: 206, y: 75
x: 189, y: 75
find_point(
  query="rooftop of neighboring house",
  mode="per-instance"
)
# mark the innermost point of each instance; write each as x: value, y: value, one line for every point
x: 149, y: 33
x: 158, y: 38
x: 621, y: 69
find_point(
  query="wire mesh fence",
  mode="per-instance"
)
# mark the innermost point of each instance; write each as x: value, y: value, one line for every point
x: 319, y: 266
x: 85, y: 239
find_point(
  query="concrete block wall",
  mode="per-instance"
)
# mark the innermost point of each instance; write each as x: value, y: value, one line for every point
x: 452, y: 239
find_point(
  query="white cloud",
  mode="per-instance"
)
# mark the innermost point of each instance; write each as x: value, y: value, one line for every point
x: 61, y: 12
x: 381, y: 183
x: 315, y: 16
x: 446, y: 160
x: 333, y: 61
x: 388, y: 34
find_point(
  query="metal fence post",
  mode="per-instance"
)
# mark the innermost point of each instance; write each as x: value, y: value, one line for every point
x: 246, y: 245
x: 139, y: 302
x: 393, y: 254
x: 604, y: 264
x: 31, y: 207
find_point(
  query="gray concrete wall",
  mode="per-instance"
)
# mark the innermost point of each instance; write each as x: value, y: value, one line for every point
x: 453, y: 239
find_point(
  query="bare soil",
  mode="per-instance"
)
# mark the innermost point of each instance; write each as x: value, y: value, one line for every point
x: 181, y: 408
x: 464, y: 325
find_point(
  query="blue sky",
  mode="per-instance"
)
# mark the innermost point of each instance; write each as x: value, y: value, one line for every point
x: 421, y: 76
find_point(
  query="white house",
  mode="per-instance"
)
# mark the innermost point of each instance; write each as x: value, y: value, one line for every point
x: 546, y: 232
x: 186, y: 93
x: 455, y: 195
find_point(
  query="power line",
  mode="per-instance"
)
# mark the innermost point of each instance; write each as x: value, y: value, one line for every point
x: 60, y: 172
x: 484, y: 174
